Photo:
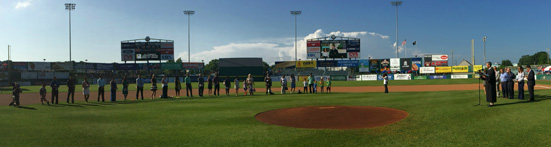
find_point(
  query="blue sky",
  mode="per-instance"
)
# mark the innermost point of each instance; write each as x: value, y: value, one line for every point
x: 38, y: 29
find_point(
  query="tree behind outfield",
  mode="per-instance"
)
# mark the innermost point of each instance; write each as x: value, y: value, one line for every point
x: 537, y: 58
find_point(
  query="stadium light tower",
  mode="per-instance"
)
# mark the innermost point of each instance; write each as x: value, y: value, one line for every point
x: 396, y: 3
x: 70, y: 7
x: 188, y: 13
x: 484, y: 39
x: 295, y: 13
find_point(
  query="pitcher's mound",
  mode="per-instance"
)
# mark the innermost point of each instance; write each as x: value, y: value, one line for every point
x: 332, y: 117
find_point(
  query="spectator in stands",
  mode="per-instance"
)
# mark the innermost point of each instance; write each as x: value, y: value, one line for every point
x: 124, y: 87
x: 201, y: 85
x: 283, y: 84
x: 86, y: 89
x: 216, y: 82
x: 293, y: 83
x: 153, y: 86
x: 43, y: 94
x: 236, y: 86
x: 177, y: 86
x: 55, y: 86
x: 114, y: 88
x: 71, y: 89
x: 164, y: 82
x: 310, y: 82
x: 189, y: 91
x: 101, y: 89
x: 209, y: 82
x: 139, y: 86
x: 268, y: 81
x: 250, y: 84
x: 227, y: 84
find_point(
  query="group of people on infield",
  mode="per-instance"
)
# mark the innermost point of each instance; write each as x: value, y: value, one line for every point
x: 493, y: 79
x: 212, y: 82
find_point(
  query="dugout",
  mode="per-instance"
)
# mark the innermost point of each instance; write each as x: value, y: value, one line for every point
x: 241, y: 67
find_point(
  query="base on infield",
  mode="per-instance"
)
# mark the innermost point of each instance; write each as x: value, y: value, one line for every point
x: 332, y: 117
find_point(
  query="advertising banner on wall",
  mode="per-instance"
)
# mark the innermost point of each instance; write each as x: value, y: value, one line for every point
x: 439, y: 57
x: 45, y: 75
x: 374, y: 65
x: 101, y: 66
x: 127, y: 66
x: 199, y: 65
x: 405, y: 64
x: 21, y: 66
x: 402, y: 76
x: 128, y: 54
x: 443, y: 69
x: 416, y: 63
x: 460, y: 69
x: 368, y: 77
x: 364, y: 65
x: 338, y: 78
x: 385, y: 65
x: 28, y: 75
x: 439, y: 77
x: 390, y: 77
x: 426, y: 70
x: 327, y: 63
x: 39, y: 66
x: 477, y: 68
x: 459, y: 76
x: 394, y: 64
x: 171, y: 66
x: 62, y: 66
x: 285, y: 64
x: 84, y: 66
x: 306, y: 64
x: 347, y: 63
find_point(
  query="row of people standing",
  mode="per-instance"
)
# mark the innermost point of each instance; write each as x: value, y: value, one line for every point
x: 507, y: 78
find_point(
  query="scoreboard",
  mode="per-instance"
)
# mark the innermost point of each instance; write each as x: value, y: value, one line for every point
x: 142, y: 51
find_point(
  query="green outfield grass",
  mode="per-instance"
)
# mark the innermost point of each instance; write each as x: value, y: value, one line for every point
x: 260, y: 84
x: 435, y: 119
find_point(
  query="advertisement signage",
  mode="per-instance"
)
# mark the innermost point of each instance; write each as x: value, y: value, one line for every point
x: 374, y: 65
x: 416, y: 63
x: 385, y: 65
x: 405, y: 64
x: 439, y: 57
x: 390, y: 77
x: 368, y: 77
x: 286, y: 64
x: 28, y: 75
x: 20, y: 66
x: 459, y: 76
x: 104, y: 66
x: 128, y: 54
x: 438, y: 77
x: 420, y: 77
x: 428, y: 61
x: 171, y: 66
x: 394, y: 64
x: 327, y: 64
x: 306, y: 64
x: 313, y: 50
x: 197, y: 65
x: 40, y: 66
x: 313, y: 44
x: 84, y: 66
x: 347, y: 63
x: 477, y: 68
x: 426, y: 70
x: 127, y: 66
x: 364, y: 65
x: 62, y: 66
x: 443, y: 69
x: 45, y: 75
x: 338, y: 78
x: 312, y: 55
x: 460, y: 69
x: 402, y: 76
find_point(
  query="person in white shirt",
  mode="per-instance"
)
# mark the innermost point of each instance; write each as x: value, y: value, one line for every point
x: 283, y: 84
x: 385, y: 78
x: 101, y: 88
x: 520, y: 81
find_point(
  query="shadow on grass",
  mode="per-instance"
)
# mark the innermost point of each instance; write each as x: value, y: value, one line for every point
x: 538, y: 98
x: 28, y: 108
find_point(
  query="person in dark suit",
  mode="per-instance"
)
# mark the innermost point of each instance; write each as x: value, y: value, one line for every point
x: 511, y: 84
x: 531, y: 82
x: 71, y: 89
x: 490, y: 78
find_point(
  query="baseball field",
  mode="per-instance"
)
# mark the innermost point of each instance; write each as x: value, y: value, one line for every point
x: 440, y: 113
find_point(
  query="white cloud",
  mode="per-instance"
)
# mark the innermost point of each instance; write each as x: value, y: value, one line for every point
x: 283, y: 49
x: 23, y: 4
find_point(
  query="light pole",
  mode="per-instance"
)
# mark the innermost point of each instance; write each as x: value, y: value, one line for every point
x: 547, y: 55
x: 452, y: 59
x: 484, y: 39
x: 295, y: 13
x: 70, y: 7
x: 188, y: 13
x: 396, y: 3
